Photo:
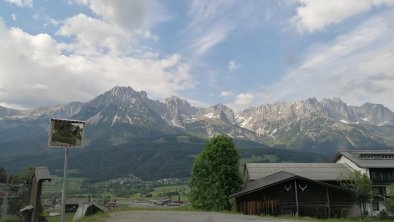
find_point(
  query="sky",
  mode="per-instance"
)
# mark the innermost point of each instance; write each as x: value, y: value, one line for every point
x: 239, y: 53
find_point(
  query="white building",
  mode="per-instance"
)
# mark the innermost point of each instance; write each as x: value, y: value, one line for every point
x: 377, y: 165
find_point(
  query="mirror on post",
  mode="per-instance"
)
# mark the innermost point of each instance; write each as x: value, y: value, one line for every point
x: 65, y: 134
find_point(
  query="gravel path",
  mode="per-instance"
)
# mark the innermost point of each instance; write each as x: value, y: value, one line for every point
x: 185, y: 216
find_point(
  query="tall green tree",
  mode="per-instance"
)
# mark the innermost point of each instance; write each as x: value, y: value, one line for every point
x: 389, y: 201
x: 358, y: 182
x: 215, y: 175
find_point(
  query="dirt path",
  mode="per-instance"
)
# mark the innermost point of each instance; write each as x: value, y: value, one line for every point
x: 184, y: 216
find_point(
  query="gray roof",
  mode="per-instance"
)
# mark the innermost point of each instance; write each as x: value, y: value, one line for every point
x: 313, y: 171
x: 377, y: 158
x: 42, y: 173
x: 264, y: 182
x: 276, y: 178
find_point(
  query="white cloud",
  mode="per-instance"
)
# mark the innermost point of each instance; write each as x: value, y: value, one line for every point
x: 127, y: 14
x: 13, y: 16
x: 21, y: 3
x: 315, y: 15
x: 40, y: 74
x: 356, y: 66
x: 94, y: 36
x: 233, y: 65
x: 208, y: 40
x: 226, y: 93
x: 242, y: 101
x: 212, y: 22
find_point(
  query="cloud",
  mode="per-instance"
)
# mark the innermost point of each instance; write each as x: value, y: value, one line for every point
x: 212, y: 22
x: 94, y: 36
x: 226, y: 93
x: 36, y: 72
x: 22, y: 3
x: 13, y: 16
x: 208, y: 40
x: 356, y: 66
x: 242, y: 101
x: 127, y: 14
x: 315, y: 15
x: 233, y: 65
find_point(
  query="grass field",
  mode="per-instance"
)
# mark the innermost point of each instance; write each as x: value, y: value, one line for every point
x: 53, y: 189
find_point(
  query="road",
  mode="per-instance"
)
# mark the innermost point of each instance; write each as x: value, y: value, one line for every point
x: 185, y: 216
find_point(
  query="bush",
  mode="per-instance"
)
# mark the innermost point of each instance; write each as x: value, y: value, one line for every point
x: 383, y: 215
x: 11, y: 218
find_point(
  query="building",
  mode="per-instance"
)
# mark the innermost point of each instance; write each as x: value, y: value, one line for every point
x: 284, y: 193
x: 329, y: 173
x: 86, y: 208
x: 377, y: 165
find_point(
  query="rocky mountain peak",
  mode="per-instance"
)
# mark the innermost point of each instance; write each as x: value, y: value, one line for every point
x: 218, y: 111
x: 376, y: 114
x: 7, y: 111
x: 174, y: 101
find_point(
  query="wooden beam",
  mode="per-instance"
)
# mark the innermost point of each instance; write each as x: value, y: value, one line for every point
x: 328, y: 203
x: 296, y: 197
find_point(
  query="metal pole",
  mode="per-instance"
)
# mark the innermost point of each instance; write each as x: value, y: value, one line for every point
x: 64, y: 184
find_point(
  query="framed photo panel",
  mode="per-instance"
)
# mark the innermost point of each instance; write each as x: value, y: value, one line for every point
x: 66, y: 133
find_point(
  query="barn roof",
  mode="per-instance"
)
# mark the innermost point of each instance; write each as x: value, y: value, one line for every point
x: 277, y: 178
x: 369, y: 158
x: 314, y: 171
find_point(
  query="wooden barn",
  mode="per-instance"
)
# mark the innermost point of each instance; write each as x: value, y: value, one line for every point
x: 284, y: 193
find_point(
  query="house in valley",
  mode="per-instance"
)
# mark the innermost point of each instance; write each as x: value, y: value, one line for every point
x: 313, y: 189
x: 378, y: 166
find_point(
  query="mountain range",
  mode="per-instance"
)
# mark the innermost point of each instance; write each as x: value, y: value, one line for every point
x: 123, y: 115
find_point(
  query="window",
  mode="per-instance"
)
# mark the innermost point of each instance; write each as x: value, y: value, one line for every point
x: 375, y: 206
x: 375, y: 191
x: 373, y: 175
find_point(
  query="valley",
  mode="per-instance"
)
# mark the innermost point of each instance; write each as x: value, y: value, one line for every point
x: 127, y: 132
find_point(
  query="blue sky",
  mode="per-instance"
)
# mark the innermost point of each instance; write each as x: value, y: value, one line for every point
x: 240, y: 53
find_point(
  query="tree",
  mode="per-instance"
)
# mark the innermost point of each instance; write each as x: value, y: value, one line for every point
x: 22, y: 188
x: 389, y: 201
x: 215, y: 175
x: 3, y: 175
x: 358, y: 182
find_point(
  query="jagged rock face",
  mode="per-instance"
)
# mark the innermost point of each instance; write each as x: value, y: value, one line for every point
x: 6, y: 112
x: 178, y: 111
x: 127, y: 113
x: 218, y: 111
x: 119, y: 105
x: 259, y: 119
x: 375, y: 114
x: 267, y: 118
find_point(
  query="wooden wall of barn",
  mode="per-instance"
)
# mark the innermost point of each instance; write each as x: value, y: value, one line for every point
x: 314, y: 200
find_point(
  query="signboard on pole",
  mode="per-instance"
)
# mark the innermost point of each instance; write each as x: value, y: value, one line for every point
x: 66, y: 133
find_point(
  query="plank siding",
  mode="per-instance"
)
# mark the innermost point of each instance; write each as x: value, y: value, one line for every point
x: 280, y: 199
